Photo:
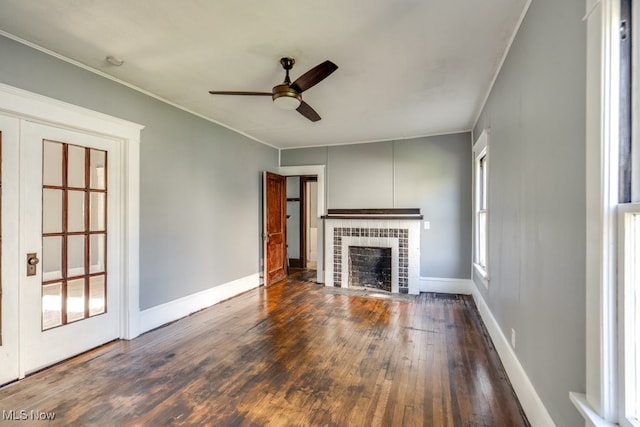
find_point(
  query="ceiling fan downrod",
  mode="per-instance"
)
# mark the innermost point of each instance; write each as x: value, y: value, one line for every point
x: 287, y: 64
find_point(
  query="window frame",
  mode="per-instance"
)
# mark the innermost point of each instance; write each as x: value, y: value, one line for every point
x: 635, y: 101
x: 628, y: 225
x: 481, y: 171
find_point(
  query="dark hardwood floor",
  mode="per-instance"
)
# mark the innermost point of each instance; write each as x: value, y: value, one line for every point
x: 293, y: 354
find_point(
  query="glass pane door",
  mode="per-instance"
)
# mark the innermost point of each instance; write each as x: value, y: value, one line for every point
x: 70, y: 200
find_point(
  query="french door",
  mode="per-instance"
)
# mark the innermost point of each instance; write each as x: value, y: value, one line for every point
x: 66, y: 295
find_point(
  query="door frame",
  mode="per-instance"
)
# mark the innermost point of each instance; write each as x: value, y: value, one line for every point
x: 302, y: 209
x: 318, y: 171
x: 10, y: 296
x: 41, y: 109
x: 304, y: 212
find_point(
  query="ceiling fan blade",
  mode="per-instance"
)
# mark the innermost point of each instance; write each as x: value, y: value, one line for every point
x: 217, y: 92
x: 313, y: 76
x: 306, y: 110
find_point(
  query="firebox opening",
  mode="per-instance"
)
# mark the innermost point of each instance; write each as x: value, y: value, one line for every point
x: 370, y: 267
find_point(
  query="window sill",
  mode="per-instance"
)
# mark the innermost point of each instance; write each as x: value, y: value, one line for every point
x: 482, y: 273
x: 580, y: 402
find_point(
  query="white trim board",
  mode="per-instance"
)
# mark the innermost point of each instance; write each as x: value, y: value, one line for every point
x: 159, y: 315
x: 50, y: 111
x: 531, y: 403
x: 446, y: 285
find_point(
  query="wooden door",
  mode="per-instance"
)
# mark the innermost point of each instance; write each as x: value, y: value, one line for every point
x: 275, y: 220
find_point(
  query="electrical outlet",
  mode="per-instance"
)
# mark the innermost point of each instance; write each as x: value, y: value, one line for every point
x: 513, y: 338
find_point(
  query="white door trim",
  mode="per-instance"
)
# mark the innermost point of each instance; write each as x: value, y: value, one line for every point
x: 317, y: 170
x: 9, y: 350
x: 27, y: 105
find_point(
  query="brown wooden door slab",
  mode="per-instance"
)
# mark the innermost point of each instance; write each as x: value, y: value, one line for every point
x: 275, y: 220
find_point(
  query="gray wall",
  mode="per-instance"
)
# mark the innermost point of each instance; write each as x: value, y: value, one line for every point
x: 536, y: 113
x: 430, y: 173
x: 360, y: 176
x: 200, y: 213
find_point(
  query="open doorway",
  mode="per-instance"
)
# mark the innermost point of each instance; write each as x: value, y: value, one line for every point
x: 302, y: 222
x: 318, y: 172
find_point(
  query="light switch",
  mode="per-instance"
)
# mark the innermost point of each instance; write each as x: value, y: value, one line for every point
x: 427, y: 225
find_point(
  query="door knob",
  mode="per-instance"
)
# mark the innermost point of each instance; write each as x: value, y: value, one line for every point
x: 32, y: 262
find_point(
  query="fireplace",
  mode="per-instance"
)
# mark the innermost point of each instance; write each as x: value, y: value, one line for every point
x: 396, y: 230
x: 370, y: 267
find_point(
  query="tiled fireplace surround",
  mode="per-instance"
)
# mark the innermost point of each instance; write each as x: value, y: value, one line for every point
x: 398, y: 229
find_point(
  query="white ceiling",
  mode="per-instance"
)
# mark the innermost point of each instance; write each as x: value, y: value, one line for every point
x: 407, y: 68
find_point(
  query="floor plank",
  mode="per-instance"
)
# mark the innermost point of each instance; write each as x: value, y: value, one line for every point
x: 291, y: 354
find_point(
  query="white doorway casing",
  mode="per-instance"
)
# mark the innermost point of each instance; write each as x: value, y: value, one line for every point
x: 319, y: 172
x: 9, y: 269
x: 311, y: 223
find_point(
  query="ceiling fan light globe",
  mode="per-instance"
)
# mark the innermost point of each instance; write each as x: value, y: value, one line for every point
x: 287, y: 102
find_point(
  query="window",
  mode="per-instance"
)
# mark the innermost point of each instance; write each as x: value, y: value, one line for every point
x: 481, y: 173
x: 482, y: 211
x: 629, y: 288
x: 612, y: 241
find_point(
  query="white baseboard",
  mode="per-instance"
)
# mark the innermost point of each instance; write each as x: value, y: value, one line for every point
x: 177, y: 309
x: 446, y: 285
x: 527, y: 395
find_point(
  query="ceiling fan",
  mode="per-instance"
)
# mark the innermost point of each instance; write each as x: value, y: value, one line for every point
x: 287, y: 95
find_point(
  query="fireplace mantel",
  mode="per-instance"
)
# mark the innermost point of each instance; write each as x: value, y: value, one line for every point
x: 398, y: 229
x: 391, y: 213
